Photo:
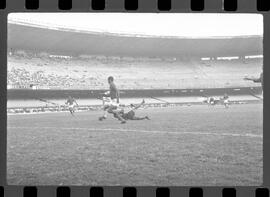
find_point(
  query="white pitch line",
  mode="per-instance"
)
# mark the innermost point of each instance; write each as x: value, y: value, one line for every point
x: 147, y: 131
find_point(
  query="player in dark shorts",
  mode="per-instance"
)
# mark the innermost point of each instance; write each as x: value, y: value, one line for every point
x: 130, y: 115
x: 71, y: 105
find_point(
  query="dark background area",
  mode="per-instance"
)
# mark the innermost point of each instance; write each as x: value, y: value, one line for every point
x: 243, y: 6
x: 17, y: 94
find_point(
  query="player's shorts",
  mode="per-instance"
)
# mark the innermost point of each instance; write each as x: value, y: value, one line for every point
x: 226, y: 101
x: 106, y: 99
x: 110, y: 102
x: 114, y: 102
x: 71, y: 106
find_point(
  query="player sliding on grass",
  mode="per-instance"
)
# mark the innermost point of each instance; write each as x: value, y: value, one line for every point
x: 71, y: 105
x: 130, y: 115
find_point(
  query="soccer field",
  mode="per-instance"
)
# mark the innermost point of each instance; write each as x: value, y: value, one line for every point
x: 188, y: 145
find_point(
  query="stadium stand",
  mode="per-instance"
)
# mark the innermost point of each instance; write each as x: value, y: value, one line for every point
x: 29, y: 70
x: 42, y: 56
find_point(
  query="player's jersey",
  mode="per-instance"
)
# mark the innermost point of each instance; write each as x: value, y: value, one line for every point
x: 106, y: 99
x: 70, y: 101
x: 113, y: 91
x: 211, y: 100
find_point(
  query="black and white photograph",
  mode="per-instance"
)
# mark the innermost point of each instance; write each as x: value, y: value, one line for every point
x: 135, y: 99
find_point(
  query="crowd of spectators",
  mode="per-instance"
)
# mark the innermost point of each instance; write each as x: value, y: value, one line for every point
x: 22, y: 78
x: 44, y: 71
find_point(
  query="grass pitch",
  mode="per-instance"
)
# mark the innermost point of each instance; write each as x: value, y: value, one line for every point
x: 195, y: 145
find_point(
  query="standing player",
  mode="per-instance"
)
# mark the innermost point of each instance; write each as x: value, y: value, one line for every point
x: 225, y: 99
x: 71, y: 105
x: 114, y: 95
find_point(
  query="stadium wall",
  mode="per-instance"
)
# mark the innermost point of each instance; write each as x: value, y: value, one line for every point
x: 24, y: 94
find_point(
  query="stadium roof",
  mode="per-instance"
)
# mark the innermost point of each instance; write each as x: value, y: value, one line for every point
x: 66, y: 41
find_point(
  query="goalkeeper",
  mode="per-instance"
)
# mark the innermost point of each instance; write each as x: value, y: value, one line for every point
x: 130, y: 115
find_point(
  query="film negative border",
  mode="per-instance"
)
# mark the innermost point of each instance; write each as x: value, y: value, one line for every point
x: 63, y: 191
x: 132, y: 5
x: 173, y: 6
